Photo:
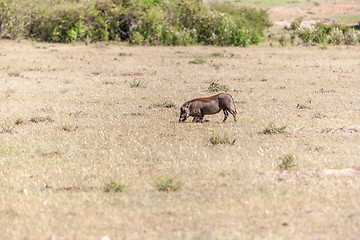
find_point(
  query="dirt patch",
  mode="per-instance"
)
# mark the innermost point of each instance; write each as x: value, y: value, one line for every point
x: 290, y: 13
x: 305, y: 23
x: 297, y: 10
x: 341, y: 8
x: 291, y: 174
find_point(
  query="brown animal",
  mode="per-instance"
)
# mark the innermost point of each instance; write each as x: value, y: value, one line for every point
x: 199, y: 107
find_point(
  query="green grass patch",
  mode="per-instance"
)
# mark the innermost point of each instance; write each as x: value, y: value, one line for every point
x: 114, y: 187
x: 272, y: 129
x: 217, y: 139
x: 217, y: 87
x: 167, y: 184
x: 197, y: 61
x: 287, y: 161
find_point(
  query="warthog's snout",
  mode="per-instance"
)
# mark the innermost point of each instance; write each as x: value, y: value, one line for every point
x: 184, y: 113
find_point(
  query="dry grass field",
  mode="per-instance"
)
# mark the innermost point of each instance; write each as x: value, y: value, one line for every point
x: 89, y: 138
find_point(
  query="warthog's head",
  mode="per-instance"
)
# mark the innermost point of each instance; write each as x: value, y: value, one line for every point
x: 184, y: 112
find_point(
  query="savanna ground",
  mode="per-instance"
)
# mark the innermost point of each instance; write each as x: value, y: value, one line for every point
x: 76, y: 118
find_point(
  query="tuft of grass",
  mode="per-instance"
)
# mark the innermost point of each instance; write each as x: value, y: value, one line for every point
x: 137, y: 84
x: 319, y: 115
x: 14, y: 74
x: 216, y: 87
x: 69, y: 128
x: 272, y: 129
x: 216, y: 139
x: 123, y: 54
x: 19, y: 121
x: 114, y: 187
x: 282, y: 41
x: 302, y: 106
x: 167, y: 185
x: 96, y: 73
x: 287, y: 161
x: 197, y: 60
x: 163, y: 105
x: 217, y: 54
x: 41, y: 119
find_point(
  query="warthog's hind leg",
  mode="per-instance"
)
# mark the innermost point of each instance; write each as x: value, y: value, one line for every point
x: 234, y: 114
x: 226, y: 113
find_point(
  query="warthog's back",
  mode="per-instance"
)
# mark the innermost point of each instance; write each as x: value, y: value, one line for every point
x: 206, y: 99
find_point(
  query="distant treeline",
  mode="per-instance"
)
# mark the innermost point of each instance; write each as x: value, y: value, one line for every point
x: 144, y: 22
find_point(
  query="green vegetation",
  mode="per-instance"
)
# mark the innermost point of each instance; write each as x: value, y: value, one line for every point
x: 144, y: 22
x: 272, y: 129
x: 197, y: 61
x: 114, y: 187
x: 167, y: 185
x: 137, y: 84
x: 216, y: 87
x: 287, y: 162
x: 326, y: 34
x: 19, y: 121
x: 217, y: 139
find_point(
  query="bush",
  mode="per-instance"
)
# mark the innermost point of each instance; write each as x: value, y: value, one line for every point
x: 350, y: 37
x: 150, y: 22
x: 324, y: 34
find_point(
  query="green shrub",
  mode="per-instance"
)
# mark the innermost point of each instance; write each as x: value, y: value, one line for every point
x: 323, y: 34
x: 150, y: 22
x: 305, y: 34
x: 215, y: 87
x: 351, y: 37
x: 296, y: 23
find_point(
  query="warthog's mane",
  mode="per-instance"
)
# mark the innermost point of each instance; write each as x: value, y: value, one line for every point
x: 207, y: 99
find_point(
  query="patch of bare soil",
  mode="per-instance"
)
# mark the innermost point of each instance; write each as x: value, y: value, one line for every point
x: 292, y: 174
x: 297, y: 10
x: 290, y: 13
x: 305, y: 23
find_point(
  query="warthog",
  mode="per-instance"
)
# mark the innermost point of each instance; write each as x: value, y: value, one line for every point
x: 200, y: 107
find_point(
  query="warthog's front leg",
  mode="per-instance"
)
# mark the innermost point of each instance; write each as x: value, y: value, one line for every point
x: 198, y: 118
